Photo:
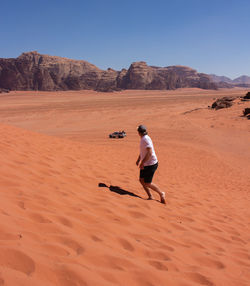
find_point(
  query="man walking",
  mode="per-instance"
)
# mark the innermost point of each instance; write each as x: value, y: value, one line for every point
x: 148, y: 164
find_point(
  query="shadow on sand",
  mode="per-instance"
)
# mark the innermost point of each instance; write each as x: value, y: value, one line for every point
x: 118, y: 190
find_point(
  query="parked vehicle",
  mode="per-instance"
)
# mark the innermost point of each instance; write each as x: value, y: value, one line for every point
x: 118, y: 134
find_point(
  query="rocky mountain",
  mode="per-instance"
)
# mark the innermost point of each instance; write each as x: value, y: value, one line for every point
x: 226, y: 81
x: 217, y: 78
x: 142, y: 76
x: 33, y: 71
x: 244, y: 79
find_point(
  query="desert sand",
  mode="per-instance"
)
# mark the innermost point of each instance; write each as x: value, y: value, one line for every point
x: 59, y: 228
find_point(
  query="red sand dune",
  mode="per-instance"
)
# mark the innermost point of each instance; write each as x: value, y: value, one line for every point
x: 57, y: 227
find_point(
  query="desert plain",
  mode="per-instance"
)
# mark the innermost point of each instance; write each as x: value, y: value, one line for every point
x: 59, y: 228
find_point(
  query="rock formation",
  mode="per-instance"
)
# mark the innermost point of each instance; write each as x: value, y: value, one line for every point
x: 247, y: 96
x: 33, y: 71
x: 244, y: 79
x: 142, y: 76
x: 224, y: 102
x: 2, y: 90
x: 246, y: 112
x: 218, y: 79
x: 226, y: 82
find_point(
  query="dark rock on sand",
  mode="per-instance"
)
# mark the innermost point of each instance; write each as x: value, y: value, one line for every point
x: 3, y: 90
x: 246, y: 112
x: 224, y: 102
x: 247, y: 96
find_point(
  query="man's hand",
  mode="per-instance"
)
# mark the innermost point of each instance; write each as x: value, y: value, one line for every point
x: 138, y: 160
x: 141, y: 166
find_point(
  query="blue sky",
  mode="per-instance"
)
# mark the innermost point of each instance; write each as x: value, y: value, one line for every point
x: 211, y: 36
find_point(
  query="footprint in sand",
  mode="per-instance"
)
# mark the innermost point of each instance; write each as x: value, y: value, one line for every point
x: 214, y: 229
x: 108, y: 277
x: 221, y: 239
x: 198, y: 229
x: 54, y: 250
x: 199, y: 278
x: 118, y: 263
x: 235, y: 238
x: 176, y: 243
x: 111, y: 262
x: 166, y: 247
x: 36, y: 217
x: 4, y: 213
x: 126, y: 244
x: 159, y: 255
x: 187, y: 219
x: 158, y: 265
x: 64, y: 221
x: 96, y: 238
x: 17, y: 260
x: 135, y: 214
x: 211, y: 263
x: 194, y: 244
x: 70, y: 243
x: 21, y: 205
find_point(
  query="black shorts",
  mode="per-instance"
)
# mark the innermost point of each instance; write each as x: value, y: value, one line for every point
x: 148, y: 172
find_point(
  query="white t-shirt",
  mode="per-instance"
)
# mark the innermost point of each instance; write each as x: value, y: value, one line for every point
x: 145, y: 143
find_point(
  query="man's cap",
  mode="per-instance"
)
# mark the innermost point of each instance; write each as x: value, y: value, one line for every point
x: 142, y: 129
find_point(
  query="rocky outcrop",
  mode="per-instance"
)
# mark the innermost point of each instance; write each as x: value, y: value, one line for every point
x: 33, y: 71
x: 224, y: 102
x: 2, y: 90
x: 246, y: 112
x: 107, y: 81
x: 247, y: 96
x: 142, y: 76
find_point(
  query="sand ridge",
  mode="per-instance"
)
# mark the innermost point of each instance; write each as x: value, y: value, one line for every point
x: 58, y: 227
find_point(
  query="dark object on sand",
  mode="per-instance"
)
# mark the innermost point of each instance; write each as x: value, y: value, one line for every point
x: 224, y: 102
x: 246, y: 112
x: 3, y: 90
x: 118, y: 134
x: 247, y: 96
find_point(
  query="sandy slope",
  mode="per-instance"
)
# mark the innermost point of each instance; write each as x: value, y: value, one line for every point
x: 57, y: 227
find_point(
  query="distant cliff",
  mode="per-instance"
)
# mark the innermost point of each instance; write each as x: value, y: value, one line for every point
x: 33, y: 71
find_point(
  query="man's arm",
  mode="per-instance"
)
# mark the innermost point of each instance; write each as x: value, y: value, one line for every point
x: 138, y: 160
x: 147, y: 156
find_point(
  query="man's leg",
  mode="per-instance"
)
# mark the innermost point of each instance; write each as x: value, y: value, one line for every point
x: 155, y: 188
x: 150, y: 197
